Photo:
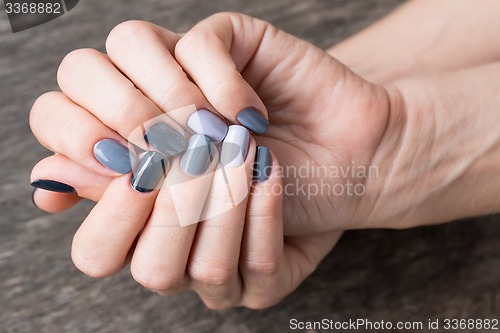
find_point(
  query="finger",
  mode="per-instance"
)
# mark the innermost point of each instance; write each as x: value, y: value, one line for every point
x: 270, y: 267
x: 91, y: 80
x: 262, y: 262
x: 59, y: 168
x: 159, y: 260
x: 101, y: 244
x: 143, y: 52
x: 66, y: 128
x: 214, y: 53
x: 213, y: 264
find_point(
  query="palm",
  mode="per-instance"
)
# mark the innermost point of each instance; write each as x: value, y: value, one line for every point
x: 324, y: 116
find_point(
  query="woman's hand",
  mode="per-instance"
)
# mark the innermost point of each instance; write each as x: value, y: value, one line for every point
x: 322, y: 115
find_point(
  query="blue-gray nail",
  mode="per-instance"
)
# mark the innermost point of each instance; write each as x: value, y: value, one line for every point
x: 53, y: 186
x: 114, y: 156
x: 262, y: 164
x: 166, y: 139
x: 149, y: 172
x: 253, y: 120
x: 196, y: 159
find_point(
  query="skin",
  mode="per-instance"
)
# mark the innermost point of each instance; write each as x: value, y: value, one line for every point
x: 402, y: 130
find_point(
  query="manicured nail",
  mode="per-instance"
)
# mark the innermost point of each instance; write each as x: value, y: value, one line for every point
x: 114, y: 156
x: 196, y: 159
x: 166, y: 139
x: 51, y: 185
x: 206, y: 123
x: 149, y: 172
x: 235, y: 146
x: 33, y: 197
x: 262, y: 164
x: 253, y: 120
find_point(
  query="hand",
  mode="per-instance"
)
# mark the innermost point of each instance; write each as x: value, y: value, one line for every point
x: 320, y: 112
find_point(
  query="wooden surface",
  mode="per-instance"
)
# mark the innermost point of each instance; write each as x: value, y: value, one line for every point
x: 436, y: 272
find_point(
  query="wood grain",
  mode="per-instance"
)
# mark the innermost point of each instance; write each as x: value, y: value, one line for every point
x: 449, y: 271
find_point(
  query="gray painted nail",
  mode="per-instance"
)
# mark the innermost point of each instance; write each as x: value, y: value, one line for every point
x: 253, y: 120
x: 114, y: 156
x: 150, y: 171
x: 262, y: 164
x: 196, y: 159
x: 166, y: 139
x: 235, y: 147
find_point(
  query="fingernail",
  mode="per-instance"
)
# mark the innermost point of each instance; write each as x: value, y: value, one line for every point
x: 262, y: 164
x: 235, y: 146
x: 150, y: 171
x: 166, y: 139
x: 114, y: 156
x: 51, y: 185
x: 196, y: 159
x: 33, y: 197
x: 206, y: 123
x: 253, y: 120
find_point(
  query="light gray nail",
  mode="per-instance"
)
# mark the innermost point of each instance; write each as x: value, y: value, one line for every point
x: 149, y: 172
x: 253, y: 120
x: 196, y: 159
x: 114, y: 156
x: 166, y: 139
x: 206, y: 123
x: 234, y: 147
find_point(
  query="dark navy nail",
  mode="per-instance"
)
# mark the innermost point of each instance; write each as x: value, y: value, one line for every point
x: 33, y: 197
x: 166, y: 139
x: 51, y: 185
x: 253, y: 120
x: 150, y: 171
x: 262, y: 164
x: 114, y: 156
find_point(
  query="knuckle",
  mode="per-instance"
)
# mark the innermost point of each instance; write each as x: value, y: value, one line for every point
x: 267, y: 268
x: 261, y: 303
x: 192, y: 44
x: 41, y: 105
x: 153, y: 278
x: 73, y: 60
x: 122, y: 34
x: 211, y: 273
x: 91, y: 263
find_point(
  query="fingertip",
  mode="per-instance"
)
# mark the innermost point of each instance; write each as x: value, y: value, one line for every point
x: 53, y: 202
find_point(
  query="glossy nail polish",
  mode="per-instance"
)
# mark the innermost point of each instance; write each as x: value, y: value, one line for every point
x: 152, y: 168
x: 262, y: 164
x: 114, y: 156
x: 51, y: 185
x: 235, y: 146
x: 253, y: 120
x: 166, y: 139
x: 206, y: 123
x: 196, y: 159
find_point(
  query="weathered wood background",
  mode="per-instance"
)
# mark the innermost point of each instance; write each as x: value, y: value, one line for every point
x: 448, y: 271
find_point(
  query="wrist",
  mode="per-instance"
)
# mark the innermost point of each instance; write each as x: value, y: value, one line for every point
x: 440, y: 154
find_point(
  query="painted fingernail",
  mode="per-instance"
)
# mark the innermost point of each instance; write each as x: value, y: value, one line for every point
x: 149, y: 172
x: 196, y: 159
x: 262, y: 164
x: 33, y: 197
x: 235, y: 146
x: 166, y: 139
x: 206, y: 123
x: 114, y: 156
x: 51, y: 185
x: 253, y: 120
